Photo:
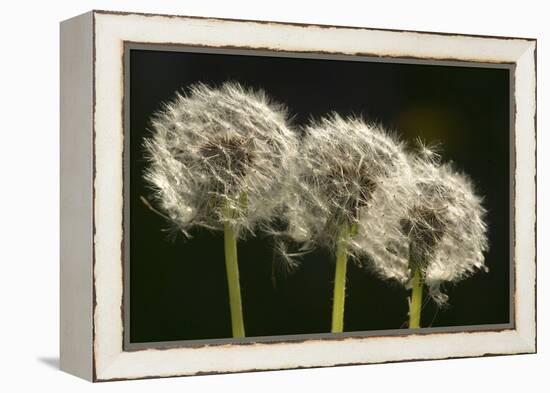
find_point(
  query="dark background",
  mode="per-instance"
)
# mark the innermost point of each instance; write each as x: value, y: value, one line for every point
x: 178, y: 288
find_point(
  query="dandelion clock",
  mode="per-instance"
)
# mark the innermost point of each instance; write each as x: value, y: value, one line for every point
x: 442, y: 236
x: 343, y: 164
x: 217, y: 158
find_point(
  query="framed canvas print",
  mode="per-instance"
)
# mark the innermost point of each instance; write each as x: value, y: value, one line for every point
x: 246, y: 195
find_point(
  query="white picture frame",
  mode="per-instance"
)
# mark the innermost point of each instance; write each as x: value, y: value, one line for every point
x: 92, y: 195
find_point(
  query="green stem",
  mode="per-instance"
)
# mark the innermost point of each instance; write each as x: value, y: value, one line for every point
x: 339, y: 295
x: 415, y: 307
x: 232, y: 268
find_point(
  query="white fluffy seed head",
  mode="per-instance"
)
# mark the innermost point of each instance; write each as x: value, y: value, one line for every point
x: 215, y: 150
x: 443, y: 233
x: 344, y: 166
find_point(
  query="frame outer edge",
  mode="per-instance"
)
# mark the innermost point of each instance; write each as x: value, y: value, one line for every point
x: 76, y: 204
x: 526, y: 190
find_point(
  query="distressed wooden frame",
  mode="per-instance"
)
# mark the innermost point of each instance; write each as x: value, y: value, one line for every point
x: 92, y: 195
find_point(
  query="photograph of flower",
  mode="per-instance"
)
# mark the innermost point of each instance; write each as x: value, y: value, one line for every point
x: 278, y: 196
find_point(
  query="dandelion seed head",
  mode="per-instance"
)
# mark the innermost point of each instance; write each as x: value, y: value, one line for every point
x: 443, y: 232
x: 216, y: 148
x: 345, y: 165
